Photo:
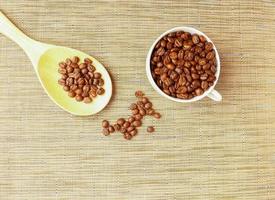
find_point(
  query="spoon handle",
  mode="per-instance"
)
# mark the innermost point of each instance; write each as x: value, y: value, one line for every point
x: 33, y: 48
x: 8, y: 29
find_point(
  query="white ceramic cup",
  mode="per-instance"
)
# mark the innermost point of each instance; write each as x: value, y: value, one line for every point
x: 210, y: 92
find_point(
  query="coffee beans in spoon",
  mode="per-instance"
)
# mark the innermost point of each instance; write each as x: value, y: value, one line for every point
x: 183, y: 65
x: 80, y: 80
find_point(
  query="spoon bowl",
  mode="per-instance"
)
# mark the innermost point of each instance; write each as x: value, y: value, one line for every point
x: 45, y: 59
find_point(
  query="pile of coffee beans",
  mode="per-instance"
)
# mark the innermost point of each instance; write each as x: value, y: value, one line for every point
x: 80, y: 80
x: 129, y: 127
x: 183, y: 65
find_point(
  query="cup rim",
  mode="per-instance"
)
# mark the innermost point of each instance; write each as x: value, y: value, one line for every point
x: 148, y: 64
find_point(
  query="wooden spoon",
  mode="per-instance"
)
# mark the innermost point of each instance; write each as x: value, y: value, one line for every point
x: 45, y: 59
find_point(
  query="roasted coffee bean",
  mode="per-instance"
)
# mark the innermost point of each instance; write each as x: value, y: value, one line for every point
x: 66, y: 88
x: 120, y: 121
x: 61, y: 82
x: 137, y: 123
x: 126, y: 124
x: 170, y: 66
x: 105, y: 131
x: 135, y: 111
x: 196, y: 84
x: 82, y: 65
x: 163, y: 43
x: 204, y: 85
x: 131, y: 119
x: 195, y: 39
x: 142, y: 111
x: 71, y: 94
x: 117, y: 127
x: 148, y: 105
x: 78, y: 97
x: 206, y: 66
x: 157, y: 115
x: 144, y: 100
x: 133, y: 132
x: 181, y: 90
x: 87, y: 99
x: 130, y: 128
x: 75, y: 59
x: 150, y: 129
x: 62, y: 71
x: 111, y: 129
x: 211, y: 79
x: 187, y: 45
x: 138, y: 117
x: 88, y: 61
x: 97, y: 75
x: 133, y: 106
x: 78, y: 91
x: 127, y: 136
x: 213, y: 69
x: 100, y: 91
x: 139, y: 93
x: 68, y: 61
x: 204, y: 76
x: 195, y: 76
x: 210, y: 55
x: 182, y: 96
x: 140, y: 103
x: 150, y: 111
x: 189, y: 78
x: 199, y: 91
x: 105, y: 124
x: 62, y: 64
x: 123, y: 130
x: 202, y: 38
x: 92, y: 93
x: 208, y: 46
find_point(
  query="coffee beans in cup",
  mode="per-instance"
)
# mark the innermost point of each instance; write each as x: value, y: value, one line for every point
x: 183, y: 65
x: 129, y: 127
x: 80, y: 80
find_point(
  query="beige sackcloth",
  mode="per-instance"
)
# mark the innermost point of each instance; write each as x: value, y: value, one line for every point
x: 203, y: 150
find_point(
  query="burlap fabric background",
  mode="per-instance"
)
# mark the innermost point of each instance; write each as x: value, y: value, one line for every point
x: 203, y: 150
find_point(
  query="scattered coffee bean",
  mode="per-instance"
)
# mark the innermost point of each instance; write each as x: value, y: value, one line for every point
x: 139, y: 93
x: 183, y: 65
x: 120, y: 121
x: 105, y: 124
x: 157, y: 115
x: 126, y: 124
x: 138, y: 117
x: 123, y: 130
x: 133, y: 106
x: 137, y: 123
x: 131, y: 119
x: 130, y: 128
x: 111, y: 129
x: 150, y: 129
x: 135, y: 111
x: 139, y: 110
x: 80, y: 79
x: 116, y: 127
x: 105, y: 131
x: 127, y: 136
x: 133, y: 132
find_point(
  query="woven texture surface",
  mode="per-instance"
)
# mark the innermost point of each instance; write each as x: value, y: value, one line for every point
x: 202, y: 150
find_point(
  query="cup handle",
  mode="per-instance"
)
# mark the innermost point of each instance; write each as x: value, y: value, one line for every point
x: 215, y: 95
